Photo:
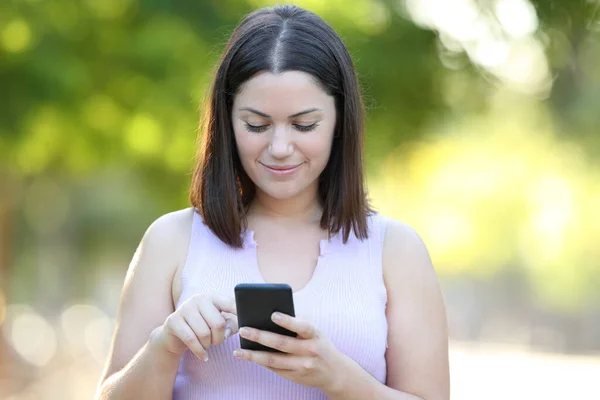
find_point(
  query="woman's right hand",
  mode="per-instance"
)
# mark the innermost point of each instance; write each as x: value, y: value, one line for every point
x: 202, y: 321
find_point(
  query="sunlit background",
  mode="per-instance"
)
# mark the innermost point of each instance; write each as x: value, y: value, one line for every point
x: 483, y: 134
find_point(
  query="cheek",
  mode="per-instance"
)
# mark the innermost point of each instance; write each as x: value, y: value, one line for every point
x: 318, y: 150
x: 249, y: 146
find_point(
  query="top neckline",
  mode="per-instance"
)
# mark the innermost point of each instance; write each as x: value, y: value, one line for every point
x: 326, y: 246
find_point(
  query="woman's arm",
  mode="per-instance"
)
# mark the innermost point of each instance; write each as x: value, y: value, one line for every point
x: 417, y: 354
x: 149, y: 375
x: 358, y: 384
x: 137, y: 368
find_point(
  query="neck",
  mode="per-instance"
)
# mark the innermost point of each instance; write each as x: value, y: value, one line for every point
x: 301, y: 208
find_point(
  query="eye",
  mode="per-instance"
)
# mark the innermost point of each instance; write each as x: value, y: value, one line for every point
x: 306, y: 128
x: 256, y: 128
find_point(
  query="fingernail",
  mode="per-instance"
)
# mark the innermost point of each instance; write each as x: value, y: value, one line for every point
x: 227, y: 333
x: 205, y: 357
x: 244, y: 332
x: 276, y: 316
x: 237, y: 353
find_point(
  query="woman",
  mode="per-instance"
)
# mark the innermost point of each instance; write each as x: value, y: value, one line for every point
x: 278, y: 196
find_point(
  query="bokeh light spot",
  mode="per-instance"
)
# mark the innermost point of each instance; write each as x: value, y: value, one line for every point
x: 86, y: 328
x: 31, y: 335
x: 16, y: 36
x: 42, y: 140
x: 102, y: 113
x: 502, y: 41
x: 518, y: 17
x: 143, y: 135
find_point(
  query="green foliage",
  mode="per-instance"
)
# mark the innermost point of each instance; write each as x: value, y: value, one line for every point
x: 94, y: 82
x: 93, y: 90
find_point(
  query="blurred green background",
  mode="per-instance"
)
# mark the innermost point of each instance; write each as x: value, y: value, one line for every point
x: 483, y: 133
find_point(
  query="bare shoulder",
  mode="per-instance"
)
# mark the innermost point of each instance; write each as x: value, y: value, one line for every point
x: 166, y: 239
x: 169, y: 236
x: 404, y: 251
x: 171, y: 229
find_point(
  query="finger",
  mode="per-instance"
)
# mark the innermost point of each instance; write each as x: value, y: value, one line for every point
x: 213, y: 318
x: 231, y: 327
x: 224, y: 303
x: 183, y: 331
x: 282, y: 343
x: 199, y: 327
x: 269, y: 359
x: 304, y: 329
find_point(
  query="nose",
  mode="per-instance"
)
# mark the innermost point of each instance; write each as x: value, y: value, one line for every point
x: 281, y: 145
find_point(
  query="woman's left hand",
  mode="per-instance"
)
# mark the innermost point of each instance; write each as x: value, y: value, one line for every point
x: 309, y: 359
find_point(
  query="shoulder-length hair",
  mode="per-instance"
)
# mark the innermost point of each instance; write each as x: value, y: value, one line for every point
x: 278, y: 39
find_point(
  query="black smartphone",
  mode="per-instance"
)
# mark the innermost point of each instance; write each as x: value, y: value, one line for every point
x: 256, y: 303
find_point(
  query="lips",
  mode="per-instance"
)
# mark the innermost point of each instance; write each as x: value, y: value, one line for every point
x: 282, y: 170
x: 282, y: 167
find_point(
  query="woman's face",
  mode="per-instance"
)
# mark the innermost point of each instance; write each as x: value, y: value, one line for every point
x: 284, y: 125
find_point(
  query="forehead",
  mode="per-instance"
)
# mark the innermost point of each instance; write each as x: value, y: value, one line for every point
x: 287, y: 92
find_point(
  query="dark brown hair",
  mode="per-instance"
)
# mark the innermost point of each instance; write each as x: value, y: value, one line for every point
x: 278, y: 39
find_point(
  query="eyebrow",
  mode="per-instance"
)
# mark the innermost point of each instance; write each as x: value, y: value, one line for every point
x: 252, y: 110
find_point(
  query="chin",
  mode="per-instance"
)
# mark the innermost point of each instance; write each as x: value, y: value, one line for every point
x: 282, y: 192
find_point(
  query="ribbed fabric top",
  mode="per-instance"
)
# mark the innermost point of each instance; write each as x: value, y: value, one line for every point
x: 345, y: 299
